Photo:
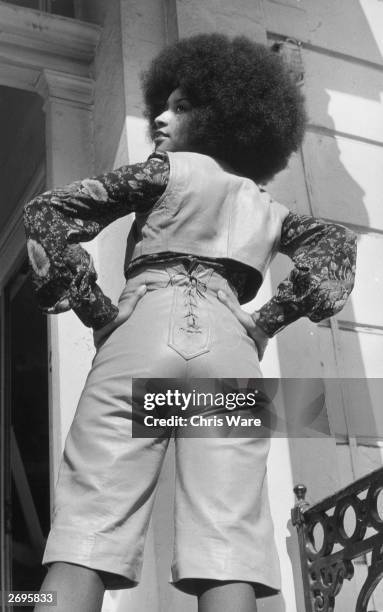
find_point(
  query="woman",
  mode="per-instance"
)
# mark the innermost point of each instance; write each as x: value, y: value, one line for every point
x: 225, y: 116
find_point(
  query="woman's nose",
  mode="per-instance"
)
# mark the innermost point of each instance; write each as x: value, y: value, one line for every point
x: 161, y: 120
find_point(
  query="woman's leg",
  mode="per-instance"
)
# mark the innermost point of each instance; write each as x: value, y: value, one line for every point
x: 223, y: 529
x: 107, y: 478
x: 228, y: 596
x: 78, y: 588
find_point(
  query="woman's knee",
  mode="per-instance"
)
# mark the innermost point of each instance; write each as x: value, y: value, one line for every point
x: 201, y: 585
x: 75, y: 573
x: 228, y: 595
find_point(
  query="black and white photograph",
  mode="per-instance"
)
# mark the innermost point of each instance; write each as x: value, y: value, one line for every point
x: 191, y: 305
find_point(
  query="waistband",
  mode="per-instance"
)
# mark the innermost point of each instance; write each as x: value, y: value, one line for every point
x: 242, y: 279
x: 186, y: 272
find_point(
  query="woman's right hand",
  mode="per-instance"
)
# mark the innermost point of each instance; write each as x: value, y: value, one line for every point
x: 249, y: 321
x: 125, y: 310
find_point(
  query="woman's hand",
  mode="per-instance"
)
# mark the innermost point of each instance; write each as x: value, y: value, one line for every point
x: 125, y: 310
x: 248, y: 321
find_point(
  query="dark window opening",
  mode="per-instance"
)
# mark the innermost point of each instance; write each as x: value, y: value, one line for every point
x: 26, y: 433
x: 58, y: 7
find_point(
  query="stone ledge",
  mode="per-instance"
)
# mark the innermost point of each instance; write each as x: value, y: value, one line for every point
x: 51, y: 34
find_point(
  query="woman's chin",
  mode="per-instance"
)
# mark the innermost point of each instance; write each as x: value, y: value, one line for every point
x: 162, y: 145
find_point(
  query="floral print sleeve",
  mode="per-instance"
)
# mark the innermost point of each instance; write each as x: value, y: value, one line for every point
x: 324, y: 256
x: 63, y: 273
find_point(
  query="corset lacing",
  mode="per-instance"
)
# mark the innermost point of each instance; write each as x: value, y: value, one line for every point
x: 194, y: 289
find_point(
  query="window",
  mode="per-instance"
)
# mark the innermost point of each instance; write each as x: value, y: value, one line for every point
x: 58, y: 7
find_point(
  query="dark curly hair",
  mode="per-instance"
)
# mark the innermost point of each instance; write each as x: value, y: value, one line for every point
x: 247, y: 108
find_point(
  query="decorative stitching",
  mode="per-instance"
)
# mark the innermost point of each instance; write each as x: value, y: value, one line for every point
x: 194, y: 289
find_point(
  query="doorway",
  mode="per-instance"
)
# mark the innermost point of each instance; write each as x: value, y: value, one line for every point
x: 25, y: 436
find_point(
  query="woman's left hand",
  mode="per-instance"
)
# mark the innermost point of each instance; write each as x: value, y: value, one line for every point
x: 248, y: 321
x: 124, y: 313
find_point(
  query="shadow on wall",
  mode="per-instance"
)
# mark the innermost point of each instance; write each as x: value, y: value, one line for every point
x: 340, y: 169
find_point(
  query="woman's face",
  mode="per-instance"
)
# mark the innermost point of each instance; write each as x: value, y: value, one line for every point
x: 170, y: 127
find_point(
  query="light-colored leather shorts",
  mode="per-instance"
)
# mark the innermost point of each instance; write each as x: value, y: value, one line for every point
x: 107, y: 478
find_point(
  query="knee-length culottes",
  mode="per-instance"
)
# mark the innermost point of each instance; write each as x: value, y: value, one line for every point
x: 107, y: 478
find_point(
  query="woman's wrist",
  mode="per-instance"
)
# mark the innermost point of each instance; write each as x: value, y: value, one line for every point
x: 261, y: 325
x: 96, y: 310
x: 273, y: 317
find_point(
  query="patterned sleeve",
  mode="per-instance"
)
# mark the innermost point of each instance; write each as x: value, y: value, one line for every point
x: 324, y: 256
x: 63, y: 273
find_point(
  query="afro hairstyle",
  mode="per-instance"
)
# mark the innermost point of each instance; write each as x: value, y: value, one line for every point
x: 247, y: 108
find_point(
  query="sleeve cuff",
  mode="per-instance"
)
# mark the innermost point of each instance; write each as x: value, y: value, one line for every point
x: 95, y: 309
x: 273, y: 317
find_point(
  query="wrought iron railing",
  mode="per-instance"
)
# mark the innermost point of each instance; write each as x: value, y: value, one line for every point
x: 326, y: 565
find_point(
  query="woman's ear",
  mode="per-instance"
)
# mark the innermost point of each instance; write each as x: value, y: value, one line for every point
x: 290, y: 51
